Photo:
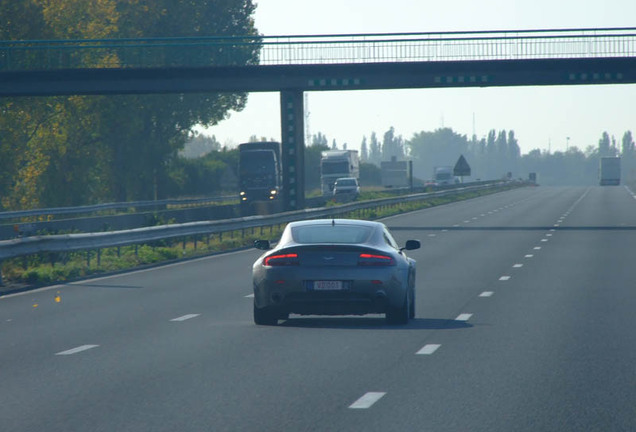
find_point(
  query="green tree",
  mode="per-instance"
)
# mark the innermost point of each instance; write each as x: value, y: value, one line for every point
x: 120, y: 147
x: 392, y: 146
x: 375, y: 152
x: 604, y: 145
x: 364, y: 150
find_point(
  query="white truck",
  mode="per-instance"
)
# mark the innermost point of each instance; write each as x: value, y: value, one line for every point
x: 443, y: 175
x: 609, y: 172
x: 335, y: 164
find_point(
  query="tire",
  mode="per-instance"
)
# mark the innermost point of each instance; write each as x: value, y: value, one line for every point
x: 399, y: 315
x: 265, y: 316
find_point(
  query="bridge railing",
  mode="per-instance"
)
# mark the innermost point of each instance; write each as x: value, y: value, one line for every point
x: 318, y: 49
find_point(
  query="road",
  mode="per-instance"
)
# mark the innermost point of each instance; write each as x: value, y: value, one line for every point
x: 525, y: 321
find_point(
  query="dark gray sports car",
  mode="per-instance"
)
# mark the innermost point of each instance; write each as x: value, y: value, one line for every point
x: 334, y: 267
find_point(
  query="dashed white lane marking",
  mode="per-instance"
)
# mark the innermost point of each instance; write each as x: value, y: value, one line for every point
x: 537, y: 248
x: 548, y: 235
x: 556, y: 225
x: 474, y: 218
x: 486, y: 294
x: 456, y: 225
x: 463, y: 317
x: 466, y: 221
x: 544, y: 240
x: 504, y: 278
x: 444, y: 230
x: 185, y: 317
x: 517, y: 265
x: 529, y: 256
x: 428, y: 349
x: 432, y: 235
x: 250, y: 295
x: 77, y: 350
x: 482, y: 215
x: 367, y: 400
x: 552, y: 230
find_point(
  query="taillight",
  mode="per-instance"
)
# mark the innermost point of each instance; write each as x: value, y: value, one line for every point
x: 375, y: 260
x: 281, y: 260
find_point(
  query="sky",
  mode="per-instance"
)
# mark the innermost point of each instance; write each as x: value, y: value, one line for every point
x: 541, y: 117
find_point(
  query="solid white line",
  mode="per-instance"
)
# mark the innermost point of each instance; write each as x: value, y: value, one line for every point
x: 504, y: 278
x: 367, y: 400
x: 463, y: 317
x: 250, y: 295
x: 529, y: 256
x: 77, y: 350
x: 486, y: 294
x: 518, y: 265
x: 428, y: 349
x: 185, y: 317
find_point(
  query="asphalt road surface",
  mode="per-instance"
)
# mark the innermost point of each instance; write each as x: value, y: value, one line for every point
x: 526, y: 321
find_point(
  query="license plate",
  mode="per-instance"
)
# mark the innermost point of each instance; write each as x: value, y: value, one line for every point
x: 328, y: 285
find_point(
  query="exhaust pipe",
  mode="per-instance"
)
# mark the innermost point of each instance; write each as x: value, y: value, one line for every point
x: 277, y: 298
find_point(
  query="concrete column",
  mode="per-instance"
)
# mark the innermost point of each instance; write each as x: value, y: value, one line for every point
x: 293, y: 148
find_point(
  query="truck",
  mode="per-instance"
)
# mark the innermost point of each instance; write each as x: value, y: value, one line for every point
x: 609, y: 172
x: 260, y: 177
x: 394, y: 173
x: 443, y: 175
x: 335, y: 164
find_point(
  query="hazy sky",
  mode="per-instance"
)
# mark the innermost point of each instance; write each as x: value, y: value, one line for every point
x: 540, y: 116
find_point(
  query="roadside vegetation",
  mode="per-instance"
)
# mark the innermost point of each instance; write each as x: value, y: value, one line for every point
x: 50, y: 268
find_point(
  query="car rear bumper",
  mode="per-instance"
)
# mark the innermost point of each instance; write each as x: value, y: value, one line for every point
x: 361, y: 297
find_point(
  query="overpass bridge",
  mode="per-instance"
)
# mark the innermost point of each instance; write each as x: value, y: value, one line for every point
x: 292, y: 65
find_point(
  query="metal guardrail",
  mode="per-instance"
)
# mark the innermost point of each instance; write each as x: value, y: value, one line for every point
x: 318, y: 49
x: 90, y: 241
x: 111, y: 206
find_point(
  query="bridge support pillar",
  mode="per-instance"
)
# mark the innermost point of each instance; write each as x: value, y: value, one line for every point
x: 293, y: 148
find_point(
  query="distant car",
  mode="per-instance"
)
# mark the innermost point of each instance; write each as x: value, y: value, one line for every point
x: 334, y: 267
x: 346, y: 185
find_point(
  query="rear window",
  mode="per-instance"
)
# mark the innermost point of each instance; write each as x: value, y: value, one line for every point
x: 331, y: 234
x: 346, y: 182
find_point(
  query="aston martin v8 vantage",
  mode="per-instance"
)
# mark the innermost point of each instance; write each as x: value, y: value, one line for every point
x: 334, y: 267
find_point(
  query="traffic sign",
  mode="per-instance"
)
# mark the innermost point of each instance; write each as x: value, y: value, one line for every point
x: 462, y: 168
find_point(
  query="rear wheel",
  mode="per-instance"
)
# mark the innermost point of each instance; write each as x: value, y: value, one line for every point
x: 412, y: 304
x: 399, y: 315
x: 265, y: 316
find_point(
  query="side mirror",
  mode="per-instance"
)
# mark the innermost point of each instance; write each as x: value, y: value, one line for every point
x: 412, y: 244
x: 262, y: 244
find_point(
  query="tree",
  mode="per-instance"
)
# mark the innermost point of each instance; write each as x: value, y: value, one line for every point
x: 627, y: 145
x: 392, y: 146
x: 120, y: 147
x: 604, y: 145
x: 375, y: 152
x: 364, y: 151
x: 319, y: 140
